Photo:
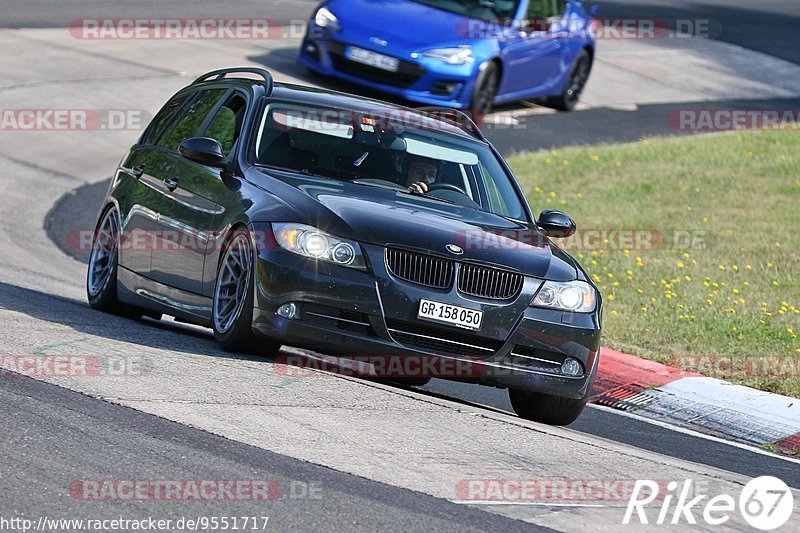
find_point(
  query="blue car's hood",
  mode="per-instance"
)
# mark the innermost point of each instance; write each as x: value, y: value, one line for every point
x: 404, y: 25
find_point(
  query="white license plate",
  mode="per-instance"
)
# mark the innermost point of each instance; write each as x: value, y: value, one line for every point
x: 454, y: 315
x: 373, y: 59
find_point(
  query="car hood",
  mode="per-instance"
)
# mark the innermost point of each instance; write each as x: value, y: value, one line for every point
x: 389, y: 20
x: 384, y: 216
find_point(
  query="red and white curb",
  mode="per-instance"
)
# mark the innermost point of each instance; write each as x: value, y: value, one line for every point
x: 689, y: 400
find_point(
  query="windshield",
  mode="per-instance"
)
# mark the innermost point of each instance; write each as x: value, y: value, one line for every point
x: 478, y: 9
x: 391, y: 153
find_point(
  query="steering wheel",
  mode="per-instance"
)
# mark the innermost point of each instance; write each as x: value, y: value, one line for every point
x: 445, y: 187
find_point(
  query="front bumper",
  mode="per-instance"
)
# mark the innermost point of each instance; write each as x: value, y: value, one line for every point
x: 427, y: 82
x: 372, y: 315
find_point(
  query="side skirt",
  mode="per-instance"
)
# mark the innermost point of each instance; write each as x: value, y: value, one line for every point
x: 138, y: 290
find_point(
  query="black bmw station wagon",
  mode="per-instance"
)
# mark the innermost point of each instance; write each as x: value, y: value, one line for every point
x: 279, y: 214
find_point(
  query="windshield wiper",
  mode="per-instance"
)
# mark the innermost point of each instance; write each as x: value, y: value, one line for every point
x: 428, y: 196
x: 373, y: 184
x: 304, y: 171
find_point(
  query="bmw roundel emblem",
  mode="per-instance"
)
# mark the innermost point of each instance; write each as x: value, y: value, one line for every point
x: 453, y: 249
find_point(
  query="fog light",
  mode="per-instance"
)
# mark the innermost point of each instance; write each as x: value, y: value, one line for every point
x: 571, y: 367
x: 289, y: 310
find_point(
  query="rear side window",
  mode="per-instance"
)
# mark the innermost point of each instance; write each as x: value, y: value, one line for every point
x: 226, y: 124
x: 192, y: 119
x: 164, y: 118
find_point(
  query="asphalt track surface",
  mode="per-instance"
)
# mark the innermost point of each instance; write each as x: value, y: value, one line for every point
x: 769, y: 26
x: 54, y: 436
x: 59, y: 436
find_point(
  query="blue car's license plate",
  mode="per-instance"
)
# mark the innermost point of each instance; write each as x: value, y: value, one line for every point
x: 373, y: 59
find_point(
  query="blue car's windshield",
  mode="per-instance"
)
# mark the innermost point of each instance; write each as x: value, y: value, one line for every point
x: 405, y: 151
x: 478, y: 9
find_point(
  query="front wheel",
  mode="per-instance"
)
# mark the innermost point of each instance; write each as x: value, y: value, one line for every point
x: 232, y: 306
x: 546, y: 408
x: 576, y: 82
x: 484, y: 92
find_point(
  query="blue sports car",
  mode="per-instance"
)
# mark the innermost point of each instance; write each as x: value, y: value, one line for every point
x: 468, y: 54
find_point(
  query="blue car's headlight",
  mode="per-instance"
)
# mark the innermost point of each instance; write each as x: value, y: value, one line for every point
x: 575, y: 296
x: 317, y: 244
x: 325, y: 19
x: 454, y: 56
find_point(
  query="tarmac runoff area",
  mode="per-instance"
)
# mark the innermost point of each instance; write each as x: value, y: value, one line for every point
x: 399, y: 437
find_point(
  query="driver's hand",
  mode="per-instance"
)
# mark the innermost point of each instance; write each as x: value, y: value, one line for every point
x: 419, y: 187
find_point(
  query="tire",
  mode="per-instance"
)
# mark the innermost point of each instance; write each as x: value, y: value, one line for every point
x: 484, y: 92
x: 576, y: 82
x: 545, y: 408
x: 234, y: 293
x: 101, y: 273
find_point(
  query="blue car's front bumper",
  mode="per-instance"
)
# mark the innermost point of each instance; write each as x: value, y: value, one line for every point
x: 428, y: 82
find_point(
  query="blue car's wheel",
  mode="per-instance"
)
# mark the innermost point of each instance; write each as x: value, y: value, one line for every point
x: 484, y: 92
x: 578, y: 77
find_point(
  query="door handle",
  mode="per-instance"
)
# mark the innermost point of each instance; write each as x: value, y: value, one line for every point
x: 171, y: 183
x: 136, y: 172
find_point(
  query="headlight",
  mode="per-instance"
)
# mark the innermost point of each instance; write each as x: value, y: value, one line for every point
x: 576, y: 296
x: 325, y: 19
x: 316, y: 244
x: 453, y: 56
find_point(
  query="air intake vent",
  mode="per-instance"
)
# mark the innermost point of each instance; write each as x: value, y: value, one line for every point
x: 442, y: 340
x: 420, y: 268
x: 488, y: 282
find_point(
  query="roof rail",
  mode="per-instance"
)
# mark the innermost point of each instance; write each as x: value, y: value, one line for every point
x: 456, y: 116
x: 221, y: 73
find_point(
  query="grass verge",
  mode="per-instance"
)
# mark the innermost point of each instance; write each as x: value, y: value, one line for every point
x: 713, y: 284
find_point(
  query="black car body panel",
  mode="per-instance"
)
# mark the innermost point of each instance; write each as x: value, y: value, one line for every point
x: 342, y: 310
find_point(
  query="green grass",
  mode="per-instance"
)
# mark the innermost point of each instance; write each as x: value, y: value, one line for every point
x: 726, y: 305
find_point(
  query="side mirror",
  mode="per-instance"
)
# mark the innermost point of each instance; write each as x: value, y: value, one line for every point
x: 203, y: 150
x: 556, y: 223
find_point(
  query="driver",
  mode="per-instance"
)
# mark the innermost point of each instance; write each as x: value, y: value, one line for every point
x: 421, y: 173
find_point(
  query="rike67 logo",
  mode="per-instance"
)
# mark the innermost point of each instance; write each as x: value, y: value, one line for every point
x: 765, y: 503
